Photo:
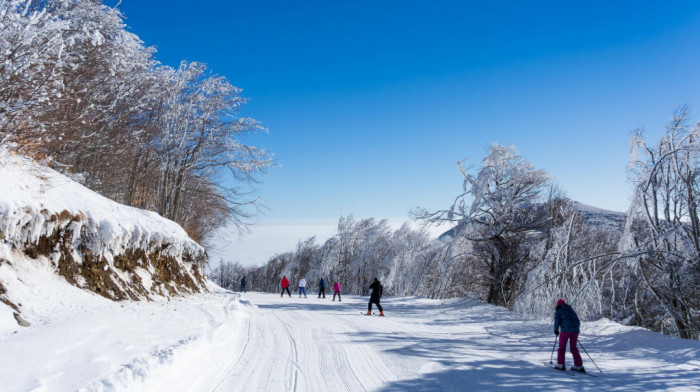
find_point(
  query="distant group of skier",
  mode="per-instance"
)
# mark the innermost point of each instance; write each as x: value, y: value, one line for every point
x: 376, y: 287
x: 322, y: 289
x: 566, y: 321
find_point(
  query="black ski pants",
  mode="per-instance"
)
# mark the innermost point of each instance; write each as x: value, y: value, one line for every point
x: 286, y: 288
x: 322, y: 291
x: 376, y: 301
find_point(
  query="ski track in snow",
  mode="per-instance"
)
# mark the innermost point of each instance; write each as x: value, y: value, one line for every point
x: 299, y: 349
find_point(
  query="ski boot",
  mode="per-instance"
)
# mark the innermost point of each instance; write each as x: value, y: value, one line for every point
x: 579, y: 369
x: 381, y: 313
x: 559, y: 366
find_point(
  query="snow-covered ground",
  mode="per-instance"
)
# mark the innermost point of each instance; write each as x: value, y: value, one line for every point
x: 223, y: 341
x: 79, y: 340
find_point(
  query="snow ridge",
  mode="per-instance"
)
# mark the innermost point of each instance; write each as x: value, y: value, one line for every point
x: 117, y: 251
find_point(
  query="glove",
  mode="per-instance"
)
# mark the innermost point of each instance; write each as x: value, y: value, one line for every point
x: 556, y: 333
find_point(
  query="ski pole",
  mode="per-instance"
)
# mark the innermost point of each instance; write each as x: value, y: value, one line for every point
x: 555, y: 345
x: 589, y: 356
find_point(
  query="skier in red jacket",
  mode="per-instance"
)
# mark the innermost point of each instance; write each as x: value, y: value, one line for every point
x: 285, y: 286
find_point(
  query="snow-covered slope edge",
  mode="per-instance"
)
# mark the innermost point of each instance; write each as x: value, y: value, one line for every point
x: 96, y: 244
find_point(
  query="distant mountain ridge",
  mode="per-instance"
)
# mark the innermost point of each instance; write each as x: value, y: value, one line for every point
x: 592, y: 215
x: 595, y: 216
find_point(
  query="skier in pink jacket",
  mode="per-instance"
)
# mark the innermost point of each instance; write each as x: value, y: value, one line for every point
x: 336, y: 290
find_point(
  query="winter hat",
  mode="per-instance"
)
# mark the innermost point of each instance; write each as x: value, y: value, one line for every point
x: 560, y: 302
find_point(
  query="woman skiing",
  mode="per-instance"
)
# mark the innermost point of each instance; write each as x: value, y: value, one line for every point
x: 285, y: 286
x: 302, y: 287
x: 336, y: 290
x: 377, y: 291
x: 566, y: 319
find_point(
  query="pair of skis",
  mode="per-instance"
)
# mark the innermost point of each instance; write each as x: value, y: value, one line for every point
x: 569, y: 372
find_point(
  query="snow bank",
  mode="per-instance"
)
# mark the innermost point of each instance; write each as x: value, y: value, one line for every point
x: 117, y: 251
x: 81, y: 341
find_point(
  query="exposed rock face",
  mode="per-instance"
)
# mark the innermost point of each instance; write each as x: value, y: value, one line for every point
x: 22, y: 322
x: 2, y: 296
x: 159, y: 268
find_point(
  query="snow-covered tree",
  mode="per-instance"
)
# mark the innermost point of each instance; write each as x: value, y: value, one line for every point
x: 408, y: 245
x: 33, y: 49
x: 572, y: 262
x: 100, y: 119
x: 663, y: 235
x: 199, y: 136
x: 497, y: 211
x: 78, y: 88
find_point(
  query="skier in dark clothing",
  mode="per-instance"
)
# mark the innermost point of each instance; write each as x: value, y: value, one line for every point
x: 285, y: 286
x: 243, y: 285
x: 322, y: 288
x: 566, y: 319
x: 377, y: 291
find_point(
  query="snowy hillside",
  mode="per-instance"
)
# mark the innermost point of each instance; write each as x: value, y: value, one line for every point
x: 92, y: 242
x: 593, y: 216
x: 600, y: 217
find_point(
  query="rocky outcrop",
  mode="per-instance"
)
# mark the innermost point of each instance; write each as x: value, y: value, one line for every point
x: 132, y: 271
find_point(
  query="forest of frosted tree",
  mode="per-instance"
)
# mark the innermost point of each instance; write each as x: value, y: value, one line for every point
x: 518, y: 242
x: 82, y: 93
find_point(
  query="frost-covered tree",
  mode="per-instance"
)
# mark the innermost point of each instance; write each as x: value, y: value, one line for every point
x: 497, y: 212
x: 361, y: 250
x: 663, y: 234
x: 100, y: 119
x: 33, y: 49
x: 407, y: 247
x: 574, y: 261
x: 200, y: 136
x: 79, y: 89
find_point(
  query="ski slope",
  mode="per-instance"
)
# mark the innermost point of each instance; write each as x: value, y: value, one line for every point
x: 311, y: 344
x: 223, y: 341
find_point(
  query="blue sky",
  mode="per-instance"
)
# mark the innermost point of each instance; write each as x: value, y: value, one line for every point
x: 369, y: 104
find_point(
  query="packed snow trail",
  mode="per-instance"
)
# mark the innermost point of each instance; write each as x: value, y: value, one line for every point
x: 223, y: 341
x: 311, y: 344
x: 308, y: 344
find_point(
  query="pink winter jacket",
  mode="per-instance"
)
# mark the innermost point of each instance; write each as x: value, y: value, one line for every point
x: 336, y: 286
